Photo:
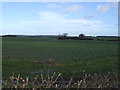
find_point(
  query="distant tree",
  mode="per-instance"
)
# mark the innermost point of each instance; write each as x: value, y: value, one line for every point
x: 63, y: 36
x: 9, y: 36
x: 81, y: 36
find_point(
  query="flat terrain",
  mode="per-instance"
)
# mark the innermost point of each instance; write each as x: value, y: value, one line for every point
x: 34, y: 55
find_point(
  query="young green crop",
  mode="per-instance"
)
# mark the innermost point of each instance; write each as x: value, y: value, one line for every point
x: 29, y: 54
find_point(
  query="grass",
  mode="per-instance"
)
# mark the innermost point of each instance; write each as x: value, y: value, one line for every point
x: 31, y: 55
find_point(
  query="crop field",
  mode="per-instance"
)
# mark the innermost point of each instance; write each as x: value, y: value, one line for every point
x: 34, y: 55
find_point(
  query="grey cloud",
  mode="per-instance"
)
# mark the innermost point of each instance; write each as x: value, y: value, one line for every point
x: 89, y: 16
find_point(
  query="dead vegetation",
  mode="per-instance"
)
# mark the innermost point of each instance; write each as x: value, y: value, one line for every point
x: 56, y: 81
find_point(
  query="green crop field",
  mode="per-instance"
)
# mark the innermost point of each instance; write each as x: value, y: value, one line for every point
x: 33, y: 55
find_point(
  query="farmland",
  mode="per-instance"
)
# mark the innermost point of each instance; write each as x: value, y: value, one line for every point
x: 33, y: 55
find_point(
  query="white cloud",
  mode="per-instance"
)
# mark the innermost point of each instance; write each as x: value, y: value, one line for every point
x: 47, y: 17
x: 103, y: 8
x: 74, y: 8
x: 53, y: 5
x: 56, y: 23
x: 67, y: 9
x: 50, y: 16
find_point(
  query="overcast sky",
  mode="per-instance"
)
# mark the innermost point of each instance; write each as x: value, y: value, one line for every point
x: 43, y: 18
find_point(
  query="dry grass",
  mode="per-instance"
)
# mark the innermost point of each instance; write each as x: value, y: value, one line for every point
x: 56, y: 81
